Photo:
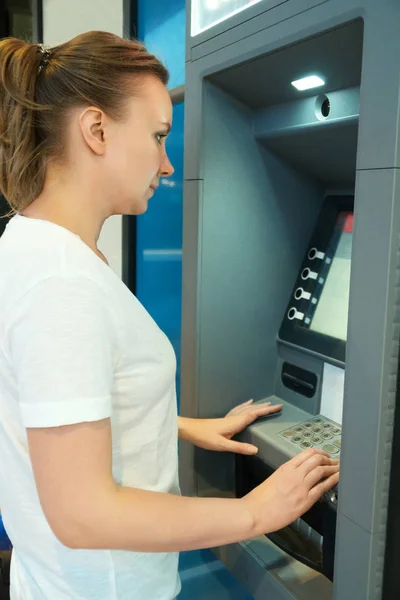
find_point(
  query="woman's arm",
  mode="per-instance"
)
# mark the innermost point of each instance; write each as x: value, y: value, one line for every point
x: 86, y: 508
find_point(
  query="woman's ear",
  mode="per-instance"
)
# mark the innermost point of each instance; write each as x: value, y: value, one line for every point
x: 92, y: 122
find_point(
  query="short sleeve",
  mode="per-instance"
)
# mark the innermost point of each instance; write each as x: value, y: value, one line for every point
x: 62, y: 342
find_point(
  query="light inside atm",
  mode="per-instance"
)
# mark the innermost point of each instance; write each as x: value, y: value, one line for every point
x: 307, y: 83
x: 331, y: 313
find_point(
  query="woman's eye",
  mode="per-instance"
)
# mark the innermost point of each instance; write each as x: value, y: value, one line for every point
x: 160, y: 136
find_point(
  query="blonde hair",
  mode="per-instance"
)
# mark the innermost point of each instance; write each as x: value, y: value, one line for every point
x: 39, y: 85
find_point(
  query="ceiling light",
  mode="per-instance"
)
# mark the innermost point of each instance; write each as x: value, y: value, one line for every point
x: 307, y: 83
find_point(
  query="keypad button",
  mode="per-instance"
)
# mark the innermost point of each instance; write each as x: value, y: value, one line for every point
x: 336, y: 431
x: 326, y: 435
x: 297, y: 439
x: 288, y: 434
x: 316, y: 439
x: 307, y: 434
x: 317, y: 420
x: 307, y: 425
x: 317, y: 429
x: 330, y: 448
x: 305, y: 445
x: 338, y: 443
x: 326, y: 426
x: 299, y: 428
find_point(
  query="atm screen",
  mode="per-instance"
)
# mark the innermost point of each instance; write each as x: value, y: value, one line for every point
x: 331, y: 312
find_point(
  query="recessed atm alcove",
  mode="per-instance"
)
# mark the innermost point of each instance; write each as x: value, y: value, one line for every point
x: 277, y: 209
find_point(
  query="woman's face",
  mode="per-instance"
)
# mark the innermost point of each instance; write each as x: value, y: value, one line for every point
x: 135, y: 157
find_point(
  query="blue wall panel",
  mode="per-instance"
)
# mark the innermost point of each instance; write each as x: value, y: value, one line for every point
x: 161, y: 25
x: 159, y: 246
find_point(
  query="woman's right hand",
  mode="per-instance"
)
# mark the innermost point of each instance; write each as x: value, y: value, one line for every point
x: 292, y: 490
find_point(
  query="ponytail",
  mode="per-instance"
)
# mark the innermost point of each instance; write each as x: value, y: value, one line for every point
x: 21, y: 168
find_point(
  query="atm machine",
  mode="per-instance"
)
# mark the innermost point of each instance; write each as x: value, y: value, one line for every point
x: 291, y: 276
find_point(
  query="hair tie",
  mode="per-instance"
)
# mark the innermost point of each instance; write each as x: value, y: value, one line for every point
x: 46, y: 55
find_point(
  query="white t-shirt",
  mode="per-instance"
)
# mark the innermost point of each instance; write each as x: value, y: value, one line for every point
x: 75, y: 346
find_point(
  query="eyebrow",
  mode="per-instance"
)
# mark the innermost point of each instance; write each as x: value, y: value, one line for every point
x: 167, y: 124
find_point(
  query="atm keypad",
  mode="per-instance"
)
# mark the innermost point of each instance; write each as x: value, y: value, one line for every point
x: 318, y: 433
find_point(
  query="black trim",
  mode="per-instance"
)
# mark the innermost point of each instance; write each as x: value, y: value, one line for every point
x: 129, y: 223
x: 130, y: 10
x: 4, y: 21
x: 37, y: 21
x: 129, y: 245
x: 291, y: 330
x: 391, y: 571
x: 299, y: 380
x: 5, y: 563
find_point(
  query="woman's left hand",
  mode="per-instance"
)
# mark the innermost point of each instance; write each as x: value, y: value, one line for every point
x: 216, y: 434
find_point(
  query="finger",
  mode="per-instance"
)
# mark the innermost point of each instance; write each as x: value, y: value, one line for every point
x: 238, y: 447
x: 256, y: 407
x: 319, y: 474
x: 236, y: 410
x: 261, y: 411
x: 317, y: 460
x: 302, y: 457
x: 324, y: 486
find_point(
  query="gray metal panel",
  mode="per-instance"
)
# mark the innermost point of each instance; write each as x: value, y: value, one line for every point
x: 326, y: 152
x: 324, y: 148
x: 380, y: 84
x: 215, y: 32
x: 193, y: 107
x: 279, y: 18
x: 284, y: 117
x: 247, y: 22
x: 372, y: 350
x: 251, y: 209
x: 270, y: 574
x: 358, y: 562
x: 189, y: 351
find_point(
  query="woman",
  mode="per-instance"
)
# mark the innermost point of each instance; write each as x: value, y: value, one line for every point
x: 88, y: 479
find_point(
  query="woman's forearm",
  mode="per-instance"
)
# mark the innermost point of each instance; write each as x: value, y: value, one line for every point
x: 138, y: 520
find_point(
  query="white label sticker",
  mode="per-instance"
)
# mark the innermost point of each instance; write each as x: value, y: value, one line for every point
x: 332, y: 393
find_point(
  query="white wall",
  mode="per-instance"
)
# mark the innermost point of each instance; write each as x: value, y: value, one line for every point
x: 63, y: 20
